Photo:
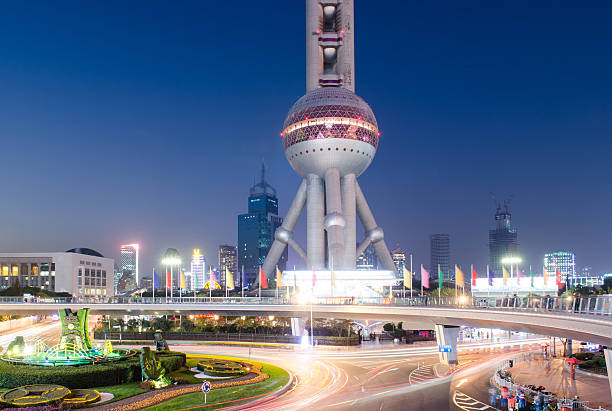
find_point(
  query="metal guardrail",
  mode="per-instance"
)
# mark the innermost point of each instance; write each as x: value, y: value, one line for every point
x: 585, y: 305
x: 499, y: 381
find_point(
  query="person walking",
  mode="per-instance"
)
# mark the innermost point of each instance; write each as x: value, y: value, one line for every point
x: 511, y: 402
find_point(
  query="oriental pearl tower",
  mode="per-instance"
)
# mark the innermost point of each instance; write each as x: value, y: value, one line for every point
x: 330, y: 137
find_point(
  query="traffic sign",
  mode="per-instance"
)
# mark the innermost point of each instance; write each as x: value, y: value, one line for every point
x: 206, y: 389
x: 445, y: 348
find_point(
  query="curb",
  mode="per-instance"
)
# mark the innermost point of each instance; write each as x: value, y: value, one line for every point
x: 283, y: 390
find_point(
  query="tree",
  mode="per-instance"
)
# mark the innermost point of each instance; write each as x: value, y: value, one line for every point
x: 187, y: 325
x: 161, y: 323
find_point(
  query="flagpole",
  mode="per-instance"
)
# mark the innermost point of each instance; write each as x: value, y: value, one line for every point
x: 472, y: 283
x: 166, y: 282
x: 488, y: 285
x: 277, y: 284
x: 242, y: 282
x: 439, y: 286
x: 259, y: 274
x: 411, y: 279
x: 455, y: 283
x: 210, y: 283
x: 421, y: 280
x: 171, y: 280
x: 153, y: 284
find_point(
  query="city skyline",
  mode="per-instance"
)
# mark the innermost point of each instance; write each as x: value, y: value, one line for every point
x: 486, y: 100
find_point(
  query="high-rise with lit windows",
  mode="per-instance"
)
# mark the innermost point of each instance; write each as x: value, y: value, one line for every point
x: 228, y: 260
x: 129, y: 260
x: 440, y: 255
x: 399, y: 259
x: 198, y: 270
x: 564, y: 261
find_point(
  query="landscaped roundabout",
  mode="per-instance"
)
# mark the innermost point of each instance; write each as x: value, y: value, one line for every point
x: 121, y: 380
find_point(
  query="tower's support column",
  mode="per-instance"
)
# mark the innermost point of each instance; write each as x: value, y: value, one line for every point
x: 350, y: 220
x: 608, y: 356
x: 446, y: 336
x: 373, y: 232
x: 297, y: 326
x: 284, y: 233
x: 315, y: 235
x: 334, y: 220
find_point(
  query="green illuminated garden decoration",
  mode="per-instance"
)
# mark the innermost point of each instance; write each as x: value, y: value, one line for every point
x: 152, y: 370
x: 45, y: 394
x: 74, y: 348
x: 221, y: 368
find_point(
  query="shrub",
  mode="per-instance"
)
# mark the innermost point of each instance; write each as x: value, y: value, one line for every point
x: 85, y: 376
x: 146, y: 385
x: 583, y: 356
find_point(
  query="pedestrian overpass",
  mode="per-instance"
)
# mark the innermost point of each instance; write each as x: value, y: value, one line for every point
x: 585, y: 318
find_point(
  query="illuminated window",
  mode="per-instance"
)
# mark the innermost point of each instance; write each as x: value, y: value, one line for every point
x: 5, y: 270
x: 15, y: 270
x: 35, y: 270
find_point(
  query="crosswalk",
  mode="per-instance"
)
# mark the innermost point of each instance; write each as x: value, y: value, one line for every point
x: 422, y: 374
x: 467, y: 403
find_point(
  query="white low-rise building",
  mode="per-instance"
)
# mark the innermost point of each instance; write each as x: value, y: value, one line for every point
x: 81, y: 272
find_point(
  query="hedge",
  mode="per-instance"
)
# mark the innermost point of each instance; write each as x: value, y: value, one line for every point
x: 85, y: 376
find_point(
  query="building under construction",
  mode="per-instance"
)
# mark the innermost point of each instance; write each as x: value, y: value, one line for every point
x: 502, y: 239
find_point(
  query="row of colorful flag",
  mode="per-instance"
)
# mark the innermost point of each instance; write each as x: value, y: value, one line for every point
x: 460, y: 278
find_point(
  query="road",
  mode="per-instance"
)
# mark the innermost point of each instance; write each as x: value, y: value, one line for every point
x: 392, y: 378
x: 48, y: 331
x: 374, y: 377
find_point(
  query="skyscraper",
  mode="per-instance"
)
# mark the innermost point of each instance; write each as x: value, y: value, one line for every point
x: 440, y: 255
x: 198, y: 270
x: 399, y: 260
x: 564, y: 261
x: 256, y: 229
x: 129, y: 260
x: 227, y: 259
x: 367, y: 260
x: 502, y: 240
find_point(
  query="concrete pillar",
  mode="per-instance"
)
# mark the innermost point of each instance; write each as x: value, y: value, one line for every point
x: 284, y: 234
x: 350, y: 221
x: 334, y: 220
x: 608, y: 357
x: 446, y: 336
x: 315, y: 234
x: 314, y: 54
x: 346, y: 52
x: 297, y: 326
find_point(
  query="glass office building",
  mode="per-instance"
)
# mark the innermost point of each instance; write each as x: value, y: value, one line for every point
x: 256, y: 230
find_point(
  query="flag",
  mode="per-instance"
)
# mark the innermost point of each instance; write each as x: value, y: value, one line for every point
x: 244, y: 279
x: 168, y: 279
x: 459, y: 277
x: 195, y: 281
x: 229, y: 279
x: 531, y: 276
x: 545, y: 274
x: 506, y: 276
x: 407, y: 278
x: 518, y: 276
x: 490, y: 276
x: 332, y: 278
x: 279, y: 278
x: 155, y: 280
x: 263, y: 280
x: 474, y: 277
x: 183, y: 283
x: 314, y: 278
x: 424, y: 277
x: 213, y: 279
x: 440, y: 277
x: 559, y: 279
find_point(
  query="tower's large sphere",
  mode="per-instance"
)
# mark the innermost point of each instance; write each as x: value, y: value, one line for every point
x: 330, y: 127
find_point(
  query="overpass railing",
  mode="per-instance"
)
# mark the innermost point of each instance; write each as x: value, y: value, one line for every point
x: 600, y: 305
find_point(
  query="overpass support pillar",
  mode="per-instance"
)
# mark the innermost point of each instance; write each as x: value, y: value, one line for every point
x: 608, y: 356
x: 297, y: 326
x: 446, y: 336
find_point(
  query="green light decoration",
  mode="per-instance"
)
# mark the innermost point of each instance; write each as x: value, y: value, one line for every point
x: 220, y: 368
x: 152, y: 370
x: 75, y: 346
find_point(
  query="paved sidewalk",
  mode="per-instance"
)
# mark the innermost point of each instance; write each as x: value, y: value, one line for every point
x: 556, y: 378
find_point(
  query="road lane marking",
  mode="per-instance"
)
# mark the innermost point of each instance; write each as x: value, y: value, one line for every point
x: 467, y: 403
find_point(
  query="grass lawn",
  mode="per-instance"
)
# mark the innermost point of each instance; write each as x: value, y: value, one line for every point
x: 121, y: 391
x: 219, y: 398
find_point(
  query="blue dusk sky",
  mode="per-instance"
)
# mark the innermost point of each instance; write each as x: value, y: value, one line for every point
x: 147, y: 121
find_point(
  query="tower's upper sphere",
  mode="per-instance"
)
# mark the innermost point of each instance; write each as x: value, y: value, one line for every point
x: 330, y: 127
